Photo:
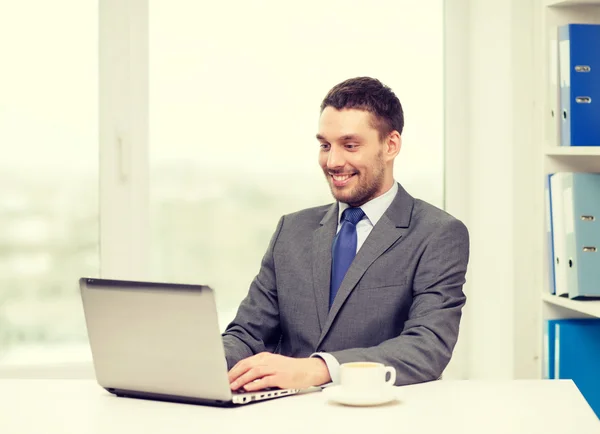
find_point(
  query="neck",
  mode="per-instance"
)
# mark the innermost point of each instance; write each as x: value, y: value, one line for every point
x: 385, y: 187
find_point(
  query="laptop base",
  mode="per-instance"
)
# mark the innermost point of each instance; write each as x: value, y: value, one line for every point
x: 121, y: 393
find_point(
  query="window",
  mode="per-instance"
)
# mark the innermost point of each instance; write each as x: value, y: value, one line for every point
x: 48, y: 176
x: 233, y: 110
x: 234, y: 106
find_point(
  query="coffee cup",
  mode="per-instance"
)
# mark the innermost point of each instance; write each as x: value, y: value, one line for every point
x: 366, y: 377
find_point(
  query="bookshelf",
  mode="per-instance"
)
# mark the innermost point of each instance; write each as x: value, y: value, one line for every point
x: 550, y: 15
x: 573, y: 151
x: 571, y: 3
x: 580, y: 308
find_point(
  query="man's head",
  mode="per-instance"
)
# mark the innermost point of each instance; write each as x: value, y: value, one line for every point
x: 360, y: 135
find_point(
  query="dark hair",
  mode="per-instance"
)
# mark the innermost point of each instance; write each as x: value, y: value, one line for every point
x: 366, y: 93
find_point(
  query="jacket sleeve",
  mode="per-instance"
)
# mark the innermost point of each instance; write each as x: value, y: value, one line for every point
x: 256, y: 326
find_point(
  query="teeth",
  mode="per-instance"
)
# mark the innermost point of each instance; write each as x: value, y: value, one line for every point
x: 340, y: 177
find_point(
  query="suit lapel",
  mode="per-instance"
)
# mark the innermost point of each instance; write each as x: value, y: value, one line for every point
x: 391, y: 227
x: 321, y: 267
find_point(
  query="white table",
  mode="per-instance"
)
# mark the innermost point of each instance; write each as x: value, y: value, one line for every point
x: 521, y: 406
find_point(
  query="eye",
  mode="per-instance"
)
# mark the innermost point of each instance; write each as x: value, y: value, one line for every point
x: 324, y: 146
x: 351, y: 146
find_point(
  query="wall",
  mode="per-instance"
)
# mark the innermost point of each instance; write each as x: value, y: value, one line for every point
x: 498, y: 181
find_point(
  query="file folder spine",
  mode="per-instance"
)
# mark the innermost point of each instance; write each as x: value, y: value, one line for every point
x: 553, y: 90
x: 549, y: 236
x: 577, y: 356
x: 582, y: 226
x: 564, y: 59
x: 549, y: 353
x: 558, y: 234
x: 579, y: 77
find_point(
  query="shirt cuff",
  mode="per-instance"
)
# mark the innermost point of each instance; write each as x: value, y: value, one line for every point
x: 332, y: 365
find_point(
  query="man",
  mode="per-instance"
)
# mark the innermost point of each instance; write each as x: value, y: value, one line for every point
x: 376, y: 276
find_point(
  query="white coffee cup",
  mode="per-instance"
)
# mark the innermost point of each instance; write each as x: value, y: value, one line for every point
x: 366, y: 377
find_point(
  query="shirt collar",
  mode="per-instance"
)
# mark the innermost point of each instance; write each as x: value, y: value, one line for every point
x: 375, y: 208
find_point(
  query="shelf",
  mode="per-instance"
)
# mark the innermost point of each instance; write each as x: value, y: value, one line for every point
x: 573, y: 151
x: 567, y: 3
x: 587, y: 307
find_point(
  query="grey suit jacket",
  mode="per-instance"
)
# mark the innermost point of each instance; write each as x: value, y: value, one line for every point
x: 399, y: 304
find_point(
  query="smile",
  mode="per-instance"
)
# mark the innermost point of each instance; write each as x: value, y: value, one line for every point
x: 341, y: 180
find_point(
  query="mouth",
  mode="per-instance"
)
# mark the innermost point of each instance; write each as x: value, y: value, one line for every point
x: 341, y: 180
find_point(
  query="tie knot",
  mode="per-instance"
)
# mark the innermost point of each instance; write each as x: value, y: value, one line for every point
x: 353, y: 215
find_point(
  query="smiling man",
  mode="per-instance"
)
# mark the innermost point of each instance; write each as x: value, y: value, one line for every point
x: 376, y: 276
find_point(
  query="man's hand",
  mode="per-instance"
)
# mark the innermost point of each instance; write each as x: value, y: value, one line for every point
x: 273, y: 370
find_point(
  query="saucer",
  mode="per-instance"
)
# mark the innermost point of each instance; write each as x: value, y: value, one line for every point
x: 341, y: 396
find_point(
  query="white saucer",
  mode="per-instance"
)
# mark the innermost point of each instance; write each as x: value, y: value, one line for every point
x: 337, y: 394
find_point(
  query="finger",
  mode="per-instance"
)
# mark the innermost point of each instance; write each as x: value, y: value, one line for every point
x: 256, y: 372
x: 261, y: 383
x: 239, y: 369
x: 246, y: 364
x: 242, y: 367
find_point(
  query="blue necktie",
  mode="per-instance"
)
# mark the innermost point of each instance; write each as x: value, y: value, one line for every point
x: 344, y: 249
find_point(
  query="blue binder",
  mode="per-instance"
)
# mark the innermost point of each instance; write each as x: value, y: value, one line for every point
x: 549, y: 357
x: 549, y: 353
x: 549, y: 236
x: 581, y: 196
x: 579, y: 78
x: 577, y: 356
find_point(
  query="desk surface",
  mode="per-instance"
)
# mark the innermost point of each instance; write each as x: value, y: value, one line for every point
x: 522, y: 406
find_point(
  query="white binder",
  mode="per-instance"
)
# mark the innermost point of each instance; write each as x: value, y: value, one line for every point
x: 553, y: 111
x: 559, y: 231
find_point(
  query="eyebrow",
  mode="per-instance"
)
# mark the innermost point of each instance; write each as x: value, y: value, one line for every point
x: 346, y: 138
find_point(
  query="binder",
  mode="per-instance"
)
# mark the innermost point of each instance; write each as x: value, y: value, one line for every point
x: 549, y: 236
x: 553, y: 110
x: 549, y: 353
x: 559, y: 244
x: 577, y: 356
x: 579, y: 75
x: 581, y: 201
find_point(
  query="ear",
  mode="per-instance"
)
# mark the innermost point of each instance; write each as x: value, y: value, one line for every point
x: 393, y: 143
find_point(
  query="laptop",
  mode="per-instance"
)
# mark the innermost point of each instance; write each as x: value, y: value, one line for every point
x: 160, y: 341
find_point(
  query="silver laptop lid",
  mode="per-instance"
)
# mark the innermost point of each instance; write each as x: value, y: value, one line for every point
x: 155, y: 338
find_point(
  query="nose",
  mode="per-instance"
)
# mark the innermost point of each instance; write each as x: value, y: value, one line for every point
x: 335, y: 158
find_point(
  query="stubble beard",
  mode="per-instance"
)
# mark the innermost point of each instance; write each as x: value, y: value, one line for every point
x: 365, y: 190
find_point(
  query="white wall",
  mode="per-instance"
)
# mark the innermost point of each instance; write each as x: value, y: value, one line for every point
x: 456, y: 152
x: 500, y: 313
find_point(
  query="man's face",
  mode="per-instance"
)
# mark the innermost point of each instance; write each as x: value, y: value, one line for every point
x: 351, y: 155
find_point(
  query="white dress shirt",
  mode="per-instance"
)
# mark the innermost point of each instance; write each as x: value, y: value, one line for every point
x: 373, y: 210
